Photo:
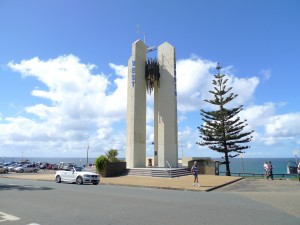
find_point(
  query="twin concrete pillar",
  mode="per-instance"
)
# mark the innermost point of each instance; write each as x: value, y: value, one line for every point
x: 165, y: 107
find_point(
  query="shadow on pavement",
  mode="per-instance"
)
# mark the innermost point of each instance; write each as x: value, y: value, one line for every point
x: 5, y: 187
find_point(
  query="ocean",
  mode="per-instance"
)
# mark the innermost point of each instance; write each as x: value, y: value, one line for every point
x: 251, y: 165
x: 255, y: 165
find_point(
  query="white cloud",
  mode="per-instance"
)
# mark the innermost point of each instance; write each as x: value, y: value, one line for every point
x: 194, y: 81
x: 258, y: 115
x: 119, y: 69
x: 270, y: 128
x: 244, y: 87
x: 79, y: 106
x: 284, y: 125
x: 193, y: 75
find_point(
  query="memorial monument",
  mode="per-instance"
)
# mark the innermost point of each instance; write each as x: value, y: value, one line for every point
x: 157, y: 76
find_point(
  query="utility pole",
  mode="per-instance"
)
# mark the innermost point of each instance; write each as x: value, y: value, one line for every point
x: 87, y: 156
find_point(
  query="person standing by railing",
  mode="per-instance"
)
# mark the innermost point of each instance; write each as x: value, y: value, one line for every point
x: 266, y: 167
x: 195, y: 171
x: 270, y: 171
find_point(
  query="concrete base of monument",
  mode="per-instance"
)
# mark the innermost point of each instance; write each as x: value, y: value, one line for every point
x: 185, y: 160
x: 158, y: 172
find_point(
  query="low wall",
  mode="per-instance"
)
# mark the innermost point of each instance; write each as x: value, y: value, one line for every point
x: 185, y: 160
x: 113, y: 169
x: 206, y: 166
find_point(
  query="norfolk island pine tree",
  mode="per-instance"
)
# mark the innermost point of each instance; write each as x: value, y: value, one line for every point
x: 222, y: 129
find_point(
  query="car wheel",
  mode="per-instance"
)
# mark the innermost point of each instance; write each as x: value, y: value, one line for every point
x: 5, y: 171
x: 95, y: 183
x: 21, y: 171
x: 35, y: 170
x: 58, y: 179
x: 79, y: 180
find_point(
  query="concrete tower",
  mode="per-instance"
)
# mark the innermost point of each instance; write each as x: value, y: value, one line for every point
x: 165, y: 109
x: 159, y: 76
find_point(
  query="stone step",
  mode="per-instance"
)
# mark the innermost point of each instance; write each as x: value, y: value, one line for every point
x: 158, y: 172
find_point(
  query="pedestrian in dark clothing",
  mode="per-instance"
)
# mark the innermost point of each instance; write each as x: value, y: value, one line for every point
x: 270, y: 171
x: 298, y: 170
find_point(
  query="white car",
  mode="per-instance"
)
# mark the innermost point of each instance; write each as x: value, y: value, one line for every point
x: 77, y: 175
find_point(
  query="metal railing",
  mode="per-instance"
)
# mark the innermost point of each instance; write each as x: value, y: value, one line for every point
x: 278, y: 175
x: 170, y: 168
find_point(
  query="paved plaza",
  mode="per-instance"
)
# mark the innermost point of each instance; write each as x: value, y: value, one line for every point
x: 207, y: 182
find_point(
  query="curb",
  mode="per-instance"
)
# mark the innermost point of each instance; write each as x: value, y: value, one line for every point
x: 174, y: 188
x: 223, y: 185
x: 154, y: 187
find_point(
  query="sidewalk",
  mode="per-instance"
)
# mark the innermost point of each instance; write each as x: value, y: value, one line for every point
x: 207, y: 182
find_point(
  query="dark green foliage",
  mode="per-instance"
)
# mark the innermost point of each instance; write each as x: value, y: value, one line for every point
x: 222, y: 128
x: 112, y: 155
x: 101, y: 162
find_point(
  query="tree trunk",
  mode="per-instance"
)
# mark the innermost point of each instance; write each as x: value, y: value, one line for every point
x: 227, y: 165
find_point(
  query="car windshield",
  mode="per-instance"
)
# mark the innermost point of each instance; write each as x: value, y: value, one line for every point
x: 78, y: 168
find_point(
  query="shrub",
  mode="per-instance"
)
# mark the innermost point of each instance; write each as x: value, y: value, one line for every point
x: 112, y: 155
x: 101, y: 162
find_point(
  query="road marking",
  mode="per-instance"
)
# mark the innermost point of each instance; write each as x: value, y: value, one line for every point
x: 7, y: 217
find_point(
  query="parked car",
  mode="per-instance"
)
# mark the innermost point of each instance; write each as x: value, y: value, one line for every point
x: 77, y: 175
x: 26, y: 168
x: 3, y: 169
x: 9, y: 164
x: 55, y: 167
x: 43, y: 165
x: 12, y: 167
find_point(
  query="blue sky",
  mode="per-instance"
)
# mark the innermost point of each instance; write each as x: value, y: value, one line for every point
x: 63, y: 71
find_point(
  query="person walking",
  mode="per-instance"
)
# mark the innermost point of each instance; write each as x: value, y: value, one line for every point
x: 266, y: 168
x: 270, y: 171
x: 195, y: 171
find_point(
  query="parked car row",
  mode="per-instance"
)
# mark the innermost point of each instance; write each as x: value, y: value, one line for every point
x: 27, y: 166
x: 20, y: 168
x: 67, y: 171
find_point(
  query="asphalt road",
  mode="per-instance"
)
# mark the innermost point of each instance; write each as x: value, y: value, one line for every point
x: 26, y: 202
x: 281, y: 194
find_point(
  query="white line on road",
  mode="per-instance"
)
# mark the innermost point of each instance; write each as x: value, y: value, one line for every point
x: 7, y: 217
